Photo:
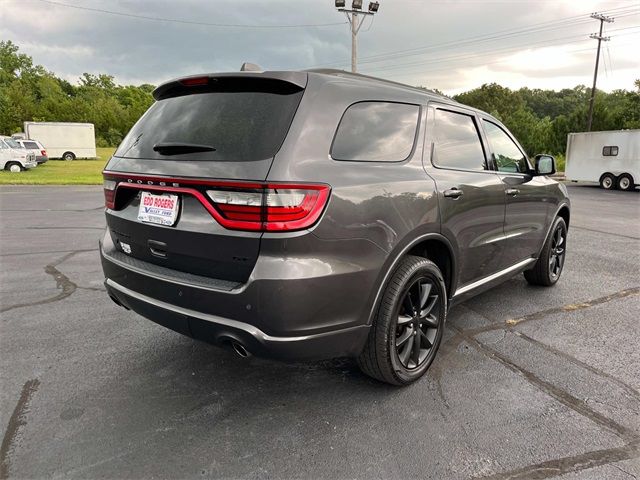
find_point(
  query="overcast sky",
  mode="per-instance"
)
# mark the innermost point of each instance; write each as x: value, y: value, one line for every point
x: 451, y: 45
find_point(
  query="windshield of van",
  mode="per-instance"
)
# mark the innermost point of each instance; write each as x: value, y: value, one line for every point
x: 234, y: 125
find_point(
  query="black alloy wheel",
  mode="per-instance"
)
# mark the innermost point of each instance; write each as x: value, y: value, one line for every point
x: 556, y: 256
x: 417, y: 323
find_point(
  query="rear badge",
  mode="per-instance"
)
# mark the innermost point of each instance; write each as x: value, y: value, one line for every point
x: 126, y: 248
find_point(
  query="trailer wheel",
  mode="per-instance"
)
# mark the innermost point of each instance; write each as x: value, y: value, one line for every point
x: 68, y: 156
x: 608, y: 181
x: 625, y: 182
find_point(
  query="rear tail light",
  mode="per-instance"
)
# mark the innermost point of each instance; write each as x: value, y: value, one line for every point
x: 43, y: 153
x: 274, y: 208
x: 259, y: 207
x: 109, y: 193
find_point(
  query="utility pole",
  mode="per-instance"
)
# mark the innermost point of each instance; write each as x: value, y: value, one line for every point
x: 352, y: 15
x: 600, y: 38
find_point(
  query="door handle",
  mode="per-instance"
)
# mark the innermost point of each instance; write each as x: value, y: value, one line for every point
x: 454, y: 192
x: 512, y: 191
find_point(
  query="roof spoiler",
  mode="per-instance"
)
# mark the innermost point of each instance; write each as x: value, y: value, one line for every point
x: 283, y: 82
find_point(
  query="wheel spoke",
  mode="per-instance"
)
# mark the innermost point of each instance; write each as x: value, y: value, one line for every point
x: 425, y: 340
x: 408, y: 304
x: 430, y: 321
x: 415, y: 352
x: 404, y: 337
x: 425, y: 289
x: 427, y: 310
x: 404, y: 354
x: 402, y: 319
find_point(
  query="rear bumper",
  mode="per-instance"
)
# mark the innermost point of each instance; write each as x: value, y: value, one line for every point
x: 221, y: 331
x: 307, y: 316
x: 41, y: 159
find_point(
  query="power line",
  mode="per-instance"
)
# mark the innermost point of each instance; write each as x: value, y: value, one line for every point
x: 187, y: 22
x: 534, y: 28
x: 514, y: 49
x: 467, y: 55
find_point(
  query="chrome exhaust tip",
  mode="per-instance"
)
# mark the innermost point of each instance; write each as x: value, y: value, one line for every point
x: 240, y: 349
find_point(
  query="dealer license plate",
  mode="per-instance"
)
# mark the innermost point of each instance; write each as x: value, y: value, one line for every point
x: 159, y: 209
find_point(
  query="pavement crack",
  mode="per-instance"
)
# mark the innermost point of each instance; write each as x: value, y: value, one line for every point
x: 562, y: 396
x: 628, y: 389
x: 62, y: 282
x: 576, y: 463
x: 18, y: 419
x: 629, y: 292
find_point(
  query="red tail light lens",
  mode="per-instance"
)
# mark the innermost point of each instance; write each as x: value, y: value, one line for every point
x: 109, y: 193
x: 43, y: 153
x: 275, y: 208
x: 194, y: 81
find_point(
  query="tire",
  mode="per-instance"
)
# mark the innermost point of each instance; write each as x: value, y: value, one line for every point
x: 626, y: 183
x: 399, y: 327
x: 68, y: 156
x: 608, y: 181
x: 547, y: 270
x: 13, y: 167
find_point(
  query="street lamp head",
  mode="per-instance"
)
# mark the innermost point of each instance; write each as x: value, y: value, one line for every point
x: 374, y: 6
x: 340, y: 3
x: 356, y: 5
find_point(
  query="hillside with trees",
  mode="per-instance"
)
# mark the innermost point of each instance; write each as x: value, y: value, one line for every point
x: 540, y: 119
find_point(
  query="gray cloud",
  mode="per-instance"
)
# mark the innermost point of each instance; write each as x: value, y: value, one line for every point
x: 70, y: 41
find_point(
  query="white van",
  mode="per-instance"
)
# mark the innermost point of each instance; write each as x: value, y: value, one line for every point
x: 13, y: 157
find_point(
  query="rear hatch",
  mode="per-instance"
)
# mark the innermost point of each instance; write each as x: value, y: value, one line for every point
x: 205, y: 140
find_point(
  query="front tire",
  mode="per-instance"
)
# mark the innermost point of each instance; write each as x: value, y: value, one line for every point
x: 407, y: 330
x: 626, y: 182
x: 547, y: 270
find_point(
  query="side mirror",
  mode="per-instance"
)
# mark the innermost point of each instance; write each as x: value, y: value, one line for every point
x: 545, y: 164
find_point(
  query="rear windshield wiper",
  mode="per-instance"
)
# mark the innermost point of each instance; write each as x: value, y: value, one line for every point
x: 172, y: 148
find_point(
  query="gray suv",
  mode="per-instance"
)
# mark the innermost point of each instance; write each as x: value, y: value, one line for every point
x: 316, y: 214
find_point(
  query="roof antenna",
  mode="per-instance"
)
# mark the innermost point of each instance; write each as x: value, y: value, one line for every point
x: 250, y: 67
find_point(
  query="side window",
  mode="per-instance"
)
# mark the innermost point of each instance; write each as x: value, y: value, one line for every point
x: 31, y: 145
x: 506, y: 153
x: 610, y: 151
x: 376, y: 132
x: 3, y: 145
x: 457, y: 142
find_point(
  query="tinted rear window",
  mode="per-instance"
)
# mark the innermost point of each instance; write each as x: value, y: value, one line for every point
x: 376, y: 132
x: 240, y: 125
x: 31, y: 145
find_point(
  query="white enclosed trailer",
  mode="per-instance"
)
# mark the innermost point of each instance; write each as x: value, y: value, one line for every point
x: 64, y: 140
x: 610, y: 158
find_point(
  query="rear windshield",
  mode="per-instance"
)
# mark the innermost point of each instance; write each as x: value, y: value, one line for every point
x: 239, y: 125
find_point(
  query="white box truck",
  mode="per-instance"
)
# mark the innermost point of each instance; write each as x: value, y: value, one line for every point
x: 64, y: 140
x: 610, y: 158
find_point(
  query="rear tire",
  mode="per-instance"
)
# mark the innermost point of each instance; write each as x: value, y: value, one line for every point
x: 626, y: 182
x: 13, y: 167
x: 547, y: 270
x: 68, y: 156
x: 608, y: 181
x: 406, y: 332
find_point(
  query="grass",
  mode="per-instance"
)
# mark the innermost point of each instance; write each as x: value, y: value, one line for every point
x: 60, y: 172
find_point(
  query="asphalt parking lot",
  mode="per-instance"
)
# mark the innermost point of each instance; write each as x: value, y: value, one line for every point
x: 530, y: 382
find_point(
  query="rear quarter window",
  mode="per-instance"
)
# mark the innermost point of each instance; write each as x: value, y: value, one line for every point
x: 31, y: 145
x: 376, y: 132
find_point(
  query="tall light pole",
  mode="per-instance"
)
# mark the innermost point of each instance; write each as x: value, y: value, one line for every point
x: 600, y: 38
x: 352, y: 16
